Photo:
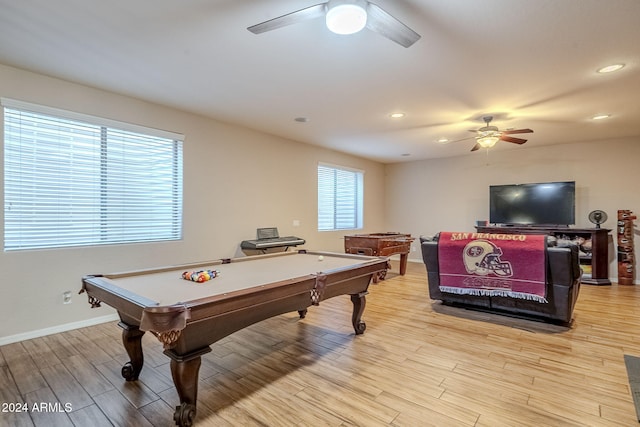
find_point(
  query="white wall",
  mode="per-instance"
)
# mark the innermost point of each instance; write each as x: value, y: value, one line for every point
x: 425, y: 197
x: 235, y: 180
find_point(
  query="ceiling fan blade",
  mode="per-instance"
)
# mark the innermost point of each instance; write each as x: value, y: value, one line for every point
x: 461, y: 139
x: 382, y: 23
x: 476, y: 147
x: 311, y: 12
x: 511, y: 139
x: 509, y: 132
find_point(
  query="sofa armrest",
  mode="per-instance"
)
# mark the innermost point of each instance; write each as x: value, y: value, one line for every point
x: 563, y: 265
x: 430, y: 258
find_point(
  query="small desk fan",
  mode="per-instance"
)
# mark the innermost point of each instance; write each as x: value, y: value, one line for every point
x: 597, y: 217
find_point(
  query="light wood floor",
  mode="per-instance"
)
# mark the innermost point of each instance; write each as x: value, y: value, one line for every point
x: 417, y: 364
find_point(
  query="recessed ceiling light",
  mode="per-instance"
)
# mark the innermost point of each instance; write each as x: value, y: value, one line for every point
x: 610, y: 68
x: 302, y: 119
x: 442, y: 140
x: 601, y: 117
x: 396, y: 115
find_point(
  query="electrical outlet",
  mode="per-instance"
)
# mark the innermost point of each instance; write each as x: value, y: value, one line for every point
x: 66, y: 297
x: 296, y: 223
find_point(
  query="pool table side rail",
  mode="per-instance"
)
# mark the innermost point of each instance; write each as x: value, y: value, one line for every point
x: 191, y: 266
x: 100, y: 289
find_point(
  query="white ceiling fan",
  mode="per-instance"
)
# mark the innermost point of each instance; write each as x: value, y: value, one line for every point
x: 346, y: 17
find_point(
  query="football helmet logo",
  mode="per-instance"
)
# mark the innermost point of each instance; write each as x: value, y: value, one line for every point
x: 482, y: 257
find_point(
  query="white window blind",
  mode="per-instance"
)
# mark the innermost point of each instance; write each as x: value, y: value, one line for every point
x: 69, y: 182
x: 339, y: 198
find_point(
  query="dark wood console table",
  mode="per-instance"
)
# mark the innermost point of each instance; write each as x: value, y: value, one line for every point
x: 597, y: 261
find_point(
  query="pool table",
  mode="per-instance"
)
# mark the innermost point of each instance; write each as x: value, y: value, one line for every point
x: 187, y: 316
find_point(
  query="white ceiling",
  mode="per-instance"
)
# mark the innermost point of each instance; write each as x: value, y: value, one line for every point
x: 530, y: 63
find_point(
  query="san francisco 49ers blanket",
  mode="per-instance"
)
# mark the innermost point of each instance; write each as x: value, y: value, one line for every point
x: 493, y: 264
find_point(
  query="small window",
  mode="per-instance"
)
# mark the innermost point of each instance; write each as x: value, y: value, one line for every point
x: 340, y: 195
x: 75, y: 180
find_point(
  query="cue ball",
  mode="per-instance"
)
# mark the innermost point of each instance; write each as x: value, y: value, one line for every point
x: 320, y: 258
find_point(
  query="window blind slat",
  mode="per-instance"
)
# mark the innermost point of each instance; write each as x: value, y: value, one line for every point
x: 71, y: 183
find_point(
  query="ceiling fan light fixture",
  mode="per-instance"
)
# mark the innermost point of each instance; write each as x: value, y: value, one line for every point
x: 488, y: 141
x: 346, y: 18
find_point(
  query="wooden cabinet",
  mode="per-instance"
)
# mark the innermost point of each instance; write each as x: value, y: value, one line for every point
x: 595, y: 263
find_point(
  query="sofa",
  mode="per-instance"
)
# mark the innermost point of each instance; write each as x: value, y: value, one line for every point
x: 563, y: 274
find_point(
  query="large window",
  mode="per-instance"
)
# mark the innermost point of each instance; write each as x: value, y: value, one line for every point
x: 74, y: 180
x: 339, y: 198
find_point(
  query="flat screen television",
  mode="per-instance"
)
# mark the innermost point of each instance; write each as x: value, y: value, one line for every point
x: 543, y: 204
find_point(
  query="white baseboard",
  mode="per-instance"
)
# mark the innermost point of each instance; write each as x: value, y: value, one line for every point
x: 57, y: 329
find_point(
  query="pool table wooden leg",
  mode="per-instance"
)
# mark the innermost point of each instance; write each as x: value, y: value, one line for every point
x: 184, y: 370
x: 132, y: 340
x: 403, y: 263
x: 359, y: 303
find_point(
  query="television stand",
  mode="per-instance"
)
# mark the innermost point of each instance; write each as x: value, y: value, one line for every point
x: 595, y: 264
